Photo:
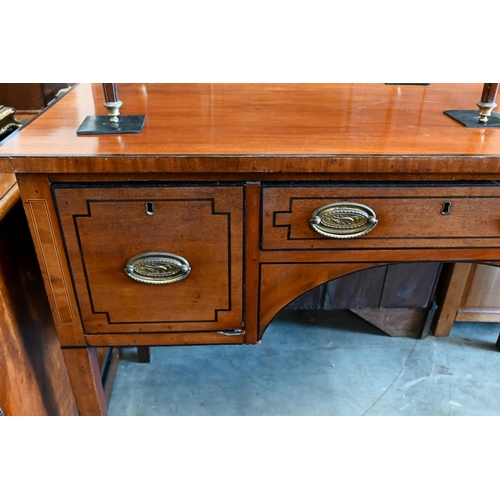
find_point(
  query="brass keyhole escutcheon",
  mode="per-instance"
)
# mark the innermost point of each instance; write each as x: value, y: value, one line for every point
x: 446, y: 208
x: 150, y: 208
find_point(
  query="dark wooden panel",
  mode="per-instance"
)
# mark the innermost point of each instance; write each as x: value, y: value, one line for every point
x: 22, y: 96
x: 355, y: 291
x: 409, y: 285
x: 29, y: 96
x: 144, y: 354
x: 406, y: 285
x: 313, y: 299
x: 396, y: 322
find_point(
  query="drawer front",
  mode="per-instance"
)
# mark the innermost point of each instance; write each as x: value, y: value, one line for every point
x: 192, y: 282
x: 392, y: 217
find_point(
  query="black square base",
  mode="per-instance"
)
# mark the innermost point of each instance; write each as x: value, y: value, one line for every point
x: 470, y: 118
x: 98, y: 125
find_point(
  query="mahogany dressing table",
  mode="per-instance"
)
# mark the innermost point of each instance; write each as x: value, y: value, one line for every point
x: 236, y: 199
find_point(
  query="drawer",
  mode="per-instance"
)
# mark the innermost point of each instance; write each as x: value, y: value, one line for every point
x: 154, y: 259
x: 382, y: 217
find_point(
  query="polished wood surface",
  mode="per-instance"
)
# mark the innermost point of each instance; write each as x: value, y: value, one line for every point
x: 356, y: 127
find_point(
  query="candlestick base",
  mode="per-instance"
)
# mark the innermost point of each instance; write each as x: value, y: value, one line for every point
x: 99, y: 125
x: 470, y: 118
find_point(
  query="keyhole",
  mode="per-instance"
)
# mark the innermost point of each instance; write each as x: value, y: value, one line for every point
x: 150, y: 208
x: 446, y: 208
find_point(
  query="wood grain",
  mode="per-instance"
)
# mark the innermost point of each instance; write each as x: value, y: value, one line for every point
x: 105, y: 227
x: 408, y: 216
x: 159, y: 339
x: 44, y: 231
x: 350, y: 127
x: 42, y: 220
x: 85, y: 376
x: 252, y: 211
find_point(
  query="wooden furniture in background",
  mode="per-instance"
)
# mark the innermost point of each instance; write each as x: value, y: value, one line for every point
x: 29, y: 99
x: 468, y: 292
x: 398, y: 299
x: 8, y: 122
x: 227, y: 177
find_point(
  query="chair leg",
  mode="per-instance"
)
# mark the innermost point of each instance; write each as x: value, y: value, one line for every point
x: 144, y: 353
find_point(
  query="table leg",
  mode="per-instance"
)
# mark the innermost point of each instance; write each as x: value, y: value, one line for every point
x: 498, y: 343
x: 85, y: 377
x: 144, y: 354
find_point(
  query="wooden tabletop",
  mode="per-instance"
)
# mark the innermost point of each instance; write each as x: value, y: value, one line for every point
x: 347, y: 121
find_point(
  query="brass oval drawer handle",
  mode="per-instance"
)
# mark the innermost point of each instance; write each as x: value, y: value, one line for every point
x: 157, y: 268
x: 343, y: 220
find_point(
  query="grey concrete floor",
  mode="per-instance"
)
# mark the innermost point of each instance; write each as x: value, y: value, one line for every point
x: 318, y: 363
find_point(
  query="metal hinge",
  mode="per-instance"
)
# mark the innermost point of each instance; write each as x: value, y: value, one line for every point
x: 231, y: 333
